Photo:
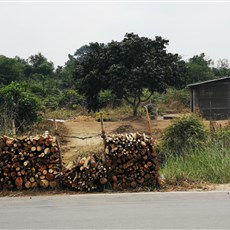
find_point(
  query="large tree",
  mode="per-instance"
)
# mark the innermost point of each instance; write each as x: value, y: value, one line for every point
x: 199, y: 69
x: 11, y: 69
x: 127, y: 68
x: 222, y: 69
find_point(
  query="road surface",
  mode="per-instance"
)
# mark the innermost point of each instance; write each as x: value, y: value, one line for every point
x: 178, y: 210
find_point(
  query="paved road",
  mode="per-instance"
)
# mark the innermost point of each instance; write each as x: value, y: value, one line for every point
x: 201, y: 210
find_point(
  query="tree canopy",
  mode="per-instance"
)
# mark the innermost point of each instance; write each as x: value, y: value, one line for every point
x: 199, y: 69
x: 127, y: 68
x: 11, y: 69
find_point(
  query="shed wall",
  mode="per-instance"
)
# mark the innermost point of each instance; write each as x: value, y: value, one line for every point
x: 213, y: 99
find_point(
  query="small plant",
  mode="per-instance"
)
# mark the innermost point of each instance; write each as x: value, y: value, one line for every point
x: 187, y: 132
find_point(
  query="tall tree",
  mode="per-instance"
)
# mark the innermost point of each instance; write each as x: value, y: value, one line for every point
x: 127, y: 68
x: 199, y: 69
x: 11, y: 69
x: 40, y: 64
x: 222, y: 69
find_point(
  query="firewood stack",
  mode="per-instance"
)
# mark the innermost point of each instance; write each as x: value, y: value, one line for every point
x: 88, y: 174
x: 131, y: 161
x: 29, y: 162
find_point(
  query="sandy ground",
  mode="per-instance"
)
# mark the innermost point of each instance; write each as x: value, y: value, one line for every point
x: 85, y: 136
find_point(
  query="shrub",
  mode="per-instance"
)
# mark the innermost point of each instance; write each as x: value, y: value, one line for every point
x: 106, y: 98
x: 71, y: 98
x: 18, y: 104
x: 187, y: 132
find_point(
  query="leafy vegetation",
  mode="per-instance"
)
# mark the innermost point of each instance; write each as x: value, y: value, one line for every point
x: 19, y: 105
x: 127, y: 68
x: 192, y: 155
x: 105, y: 75
x: 185, y: 133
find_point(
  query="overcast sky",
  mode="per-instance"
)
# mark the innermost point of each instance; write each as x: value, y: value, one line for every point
x: 57, y: 29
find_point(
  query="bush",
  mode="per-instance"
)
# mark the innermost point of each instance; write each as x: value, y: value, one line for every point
x: 71, y: 99
x: 18, y: 104
x: 106, y: 98
x: 185, y: 133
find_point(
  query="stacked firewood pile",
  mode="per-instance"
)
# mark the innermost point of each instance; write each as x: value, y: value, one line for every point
x: 88, y: 174
x: 131, y: 161
x: 29, y: 162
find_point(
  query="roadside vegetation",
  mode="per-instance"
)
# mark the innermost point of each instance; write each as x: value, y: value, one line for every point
x: 192, y: 154
x: 120, y: 78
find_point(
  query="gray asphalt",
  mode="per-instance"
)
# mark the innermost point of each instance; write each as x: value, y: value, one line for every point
x: 179, y: 210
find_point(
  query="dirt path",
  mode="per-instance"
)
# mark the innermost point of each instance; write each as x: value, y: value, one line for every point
x: 85, y: 136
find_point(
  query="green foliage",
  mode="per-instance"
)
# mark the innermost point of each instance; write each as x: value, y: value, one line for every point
x: 222, y: 69
x: 106, y: 98
x: 40, y: 65
x: 187, y: 132
x: 198, y: 69
x: 127, y: 68
x: 18, y: 104
x: 182, y: 96
x: 10, y: 70
x: 209, y: 165
x: 71, y: 98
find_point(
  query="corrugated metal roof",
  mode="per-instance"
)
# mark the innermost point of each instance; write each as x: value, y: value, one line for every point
x: 209, y: 81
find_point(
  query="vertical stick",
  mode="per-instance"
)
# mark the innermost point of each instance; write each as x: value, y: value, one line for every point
x: 149, y: 122
x: 102, y: 130
x: 60, y: 155
x: 154, y: 144
x: 13, y: 128
x: 55, y: 125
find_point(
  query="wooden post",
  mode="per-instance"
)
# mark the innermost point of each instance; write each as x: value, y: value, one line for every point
x: 55, y: 125
x: 60, y: 155
x: 102, y: 130
x: 149, y: 122
x: 13, y: 128
x: 153, y: 142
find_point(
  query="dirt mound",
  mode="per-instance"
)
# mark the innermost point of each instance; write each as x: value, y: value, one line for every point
x: 124, y: 129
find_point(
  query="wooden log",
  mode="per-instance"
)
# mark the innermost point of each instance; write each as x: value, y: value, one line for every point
x: 28, y: 184
x: 19, y: 182
x: 44, y: 183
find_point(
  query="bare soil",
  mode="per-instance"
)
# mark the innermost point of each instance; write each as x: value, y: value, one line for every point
x: 85, y: 136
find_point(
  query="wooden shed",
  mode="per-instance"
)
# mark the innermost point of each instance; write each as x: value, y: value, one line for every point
x: 211, y: 98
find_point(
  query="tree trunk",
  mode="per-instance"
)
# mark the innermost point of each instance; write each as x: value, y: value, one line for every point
x: 135, y: 108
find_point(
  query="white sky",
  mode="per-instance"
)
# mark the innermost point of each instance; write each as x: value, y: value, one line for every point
x: 57, y: 29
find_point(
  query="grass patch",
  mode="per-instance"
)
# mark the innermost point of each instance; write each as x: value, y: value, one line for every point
x: 210, y: 164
